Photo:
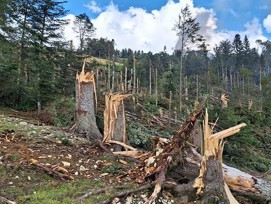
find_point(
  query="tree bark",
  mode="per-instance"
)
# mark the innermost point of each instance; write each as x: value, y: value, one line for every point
x: 85, y: 110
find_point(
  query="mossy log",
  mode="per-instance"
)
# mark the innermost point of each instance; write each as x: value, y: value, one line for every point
x: 85, y: 105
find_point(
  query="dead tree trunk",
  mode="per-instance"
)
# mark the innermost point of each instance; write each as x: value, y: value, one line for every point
x: 114, y: 121
x: 85, y: 110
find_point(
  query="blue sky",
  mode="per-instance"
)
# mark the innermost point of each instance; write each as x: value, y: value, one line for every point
x: 222, y: 17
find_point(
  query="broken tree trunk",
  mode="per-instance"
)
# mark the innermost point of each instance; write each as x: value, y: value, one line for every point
x: 244, y: 185
x: 169, y: 154
x: 224, y: 101
x: 85, y: 110
x: 114, y: 121
x: 176, y: 159
x: 210, y: 182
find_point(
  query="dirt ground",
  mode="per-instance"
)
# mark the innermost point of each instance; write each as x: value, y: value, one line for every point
x: 44, y: 164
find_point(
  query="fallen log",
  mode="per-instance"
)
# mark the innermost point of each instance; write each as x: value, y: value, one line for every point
x: 179, y: 161
x: 242, y: 184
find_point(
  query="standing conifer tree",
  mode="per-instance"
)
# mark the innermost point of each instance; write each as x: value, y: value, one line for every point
x: 84, y: 28
x: 188, y: 32
x: 238, y: 49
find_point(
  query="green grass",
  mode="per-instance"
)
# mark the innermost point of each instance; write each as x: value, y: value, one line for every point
x: 66, y: 192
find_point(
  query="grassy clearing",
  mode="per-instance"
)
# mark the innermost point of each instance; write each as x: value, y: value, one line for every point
x: 24, y: 183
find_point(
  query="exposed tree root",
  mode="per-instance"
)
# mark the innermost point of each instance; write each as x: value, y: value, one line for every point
x: 166, y: 153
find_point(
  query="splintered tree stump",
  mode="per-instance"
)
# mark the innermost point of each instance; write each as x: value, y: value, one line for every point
x: 210, y: 183
x: 175, y: 165
x: 114, y: 121
x: 85, y: 109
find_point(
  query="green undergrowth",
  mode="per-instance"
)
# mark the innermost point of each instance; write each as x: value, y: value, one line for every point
x: 250, y: 149
x: 139, y: 135
x: 67, y: 192
x: 28, y: 186
x: 62, y: 111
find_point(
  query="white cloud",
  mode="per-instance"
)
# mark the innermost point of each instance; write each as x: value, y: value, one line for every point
x: 267, y: 23
x: 92, y: 5
x: 68, y: 31
x: 142, y: 30
x: 138, y: 29
x: 254, y: 32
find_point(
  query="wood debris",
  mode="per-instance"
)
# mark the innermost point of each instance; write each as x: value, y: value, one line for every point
x: 224, y: 101
x: 57, y: 171
x: 5, y: 200
x: 114, y: 121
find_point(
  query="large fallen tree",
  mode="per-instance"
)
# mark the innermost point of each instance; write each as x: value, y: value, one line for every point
x: 193, y: 176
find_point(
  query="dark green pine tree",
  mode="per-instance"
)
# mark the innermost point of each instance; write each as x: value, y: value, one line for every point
x: 15, y: 26
x: 246, y: 45
x: 45, y: 30
x: 250, y: 56
x: 47, y: 23
x: 238, y: 48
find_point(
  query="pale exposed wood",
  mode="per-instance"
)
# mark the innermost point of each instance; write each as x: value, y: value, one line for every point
x: 224, y: 99
x: 156, y: 191
x: 5, y: 200
x: 228, y: 132
x: 125, y: 80
x: 53, y: 172
x: 114, y: 116
x: 213, y: 149
x: 250, y: 103
x: 122, y: 144
x: 87, y: 78
x: 237, y: 180
x: 134, y: 74
x: 133, y: 154
x: 229, y: 195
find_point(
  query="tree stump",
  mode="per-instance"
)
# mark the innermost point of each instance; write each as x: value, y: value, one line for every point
x: 114, y: 121
x: 210, y: 183
x: 224, y: 101
x: 85, y: 109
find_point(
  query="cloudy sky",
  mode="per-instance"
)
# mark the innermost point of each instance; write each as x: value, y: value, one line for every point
x: 148, y: 24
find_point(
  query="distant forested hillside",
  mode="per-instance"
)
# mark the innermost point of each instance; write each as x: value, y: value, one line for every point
x: 38, y: 68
